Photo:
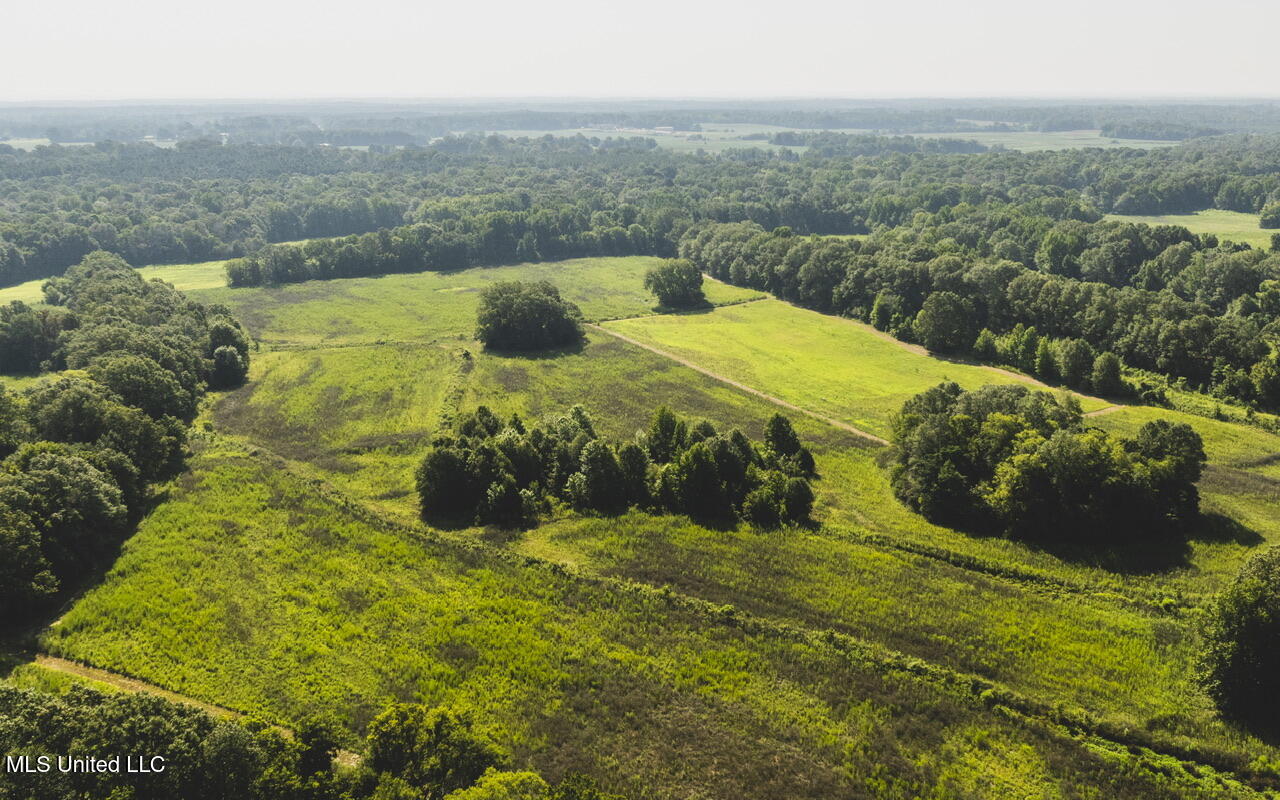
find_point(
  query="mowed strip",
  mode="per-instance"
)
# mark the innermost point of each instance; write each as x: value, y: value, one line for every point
x: 736, y: 384
x: 829, y: 367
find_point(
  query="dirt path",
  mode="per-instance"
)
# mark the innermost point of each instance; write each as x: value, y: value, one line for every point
x: 1101, y: 411
x: 871, y: 437
x: 126, y: 684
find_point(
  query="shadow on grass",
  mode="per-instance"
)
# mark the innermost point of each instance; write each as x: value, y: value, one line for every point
x: 546, y: 354
x: 1146, y: 555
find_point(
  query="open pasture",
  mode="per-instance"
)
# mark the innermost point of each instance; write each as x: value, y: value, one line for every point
x: 302, y: 606
x: 837, y: 367
x: 1232, y: 225
x: 435, y: 306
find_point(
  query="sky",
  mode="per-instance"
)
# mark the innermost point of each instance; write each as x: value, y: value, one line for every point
x: 148, y: 49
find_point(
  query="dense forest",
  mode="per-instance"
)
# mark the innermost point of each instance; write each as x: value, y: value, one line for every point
x: 203, y: 201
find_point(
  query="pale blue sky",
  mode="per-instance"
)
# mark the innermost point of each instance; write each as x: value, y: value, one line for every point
x: 76, y: 49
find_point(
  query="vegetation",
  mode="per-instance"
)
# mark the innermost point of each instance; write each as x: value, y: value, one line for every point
x: 1241, y: 656
x: 388, y: 536
x: 1020, y: 459
x: 80, y: 450
x: 677, y: 284
x: 505, y: 474
x: 526, y: 316
x: 1159, y: 298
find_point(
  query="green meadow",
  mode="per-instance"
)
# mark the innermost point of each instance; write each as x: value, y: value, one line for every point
x: 840, y: 368
x: 1233, y: 225
x: 435, y: 306
x: 265, y: 595
x: 872, y: 654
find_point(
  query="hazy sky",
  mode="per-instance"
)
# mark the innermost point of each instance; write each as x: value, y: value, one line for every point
x: 75, y: 49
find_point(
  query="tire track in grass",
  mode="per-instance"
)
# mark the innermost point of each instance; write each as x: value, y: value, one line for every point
x: 134, y: 686
x: 844, y: 426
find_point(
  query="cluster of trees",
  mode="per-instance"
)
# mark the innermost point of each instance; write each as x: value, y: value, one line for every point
x: 508, y: 474
x: 79, y: 450
x: 677, y: 283
x: 1193, y: 310
x: 414, y: 753
x: 1019, y: 461
x: 513, y: 315
x: 1072, y: 362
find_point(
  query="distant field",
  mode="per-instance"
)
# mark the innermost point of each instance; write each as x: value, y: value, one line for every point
x: 206, y: 275
x: 1231, y: 225
x: 837, y: 367
x: 1034, y: 141
x: 429, y: 306
x: 32, y: 144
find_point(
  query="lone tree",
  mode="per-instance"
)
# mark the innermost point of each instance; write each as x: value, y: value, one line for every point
x: 945, y: 323
x: 526, y: 316
x: 677, y: 283
x: 1240, y: 664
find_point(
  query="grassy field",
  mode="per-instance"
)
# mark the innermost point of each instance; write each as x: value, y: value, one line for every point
x: 1036, y: 141
x: 186, y: 277
x: 840, y: 368
x: 265, y: 595
x: 1056, y: 630
x: 287, y: 573
x: 432, y: 306
x: 1231, y: 225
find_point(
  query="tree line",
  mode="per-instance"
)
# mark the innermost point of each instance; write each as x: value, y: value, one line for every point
x: 204, y: 201
x: 487, y: 471
x: 1158, y: 298
x: 413, y: 753
x: 80, y: 450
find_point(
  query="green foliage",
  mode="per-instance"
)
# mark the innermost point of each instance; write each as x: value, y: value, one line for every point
x: 432, y: 749
x: 81, y: 449
x: 1240, y: 662
x: 1105, y: 378
x: 1018, y: 459
x: 503, y: 474
x: 676, y: 283
x: 532, y: 316
x: 1270, y: 216
x: 945, y: 323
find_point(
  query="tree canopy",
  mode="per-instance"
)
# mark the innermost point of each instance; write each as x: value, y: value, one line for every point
x: 526, y: 316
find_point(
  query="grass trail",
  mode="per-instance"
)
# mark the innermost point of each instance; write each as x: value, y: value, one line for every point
x: 724, y: 379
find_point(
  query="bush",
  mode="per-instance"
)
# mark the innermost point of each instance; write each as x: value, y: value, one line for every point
x: 526, y: 316
x: 1240, y: 663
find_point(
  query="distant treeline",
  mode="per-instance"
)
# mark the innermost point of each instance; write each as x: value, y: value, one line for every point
x: 395, y: 124
x: 1158, y: 297
x: 204, y: 201
x: 80, y: 451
